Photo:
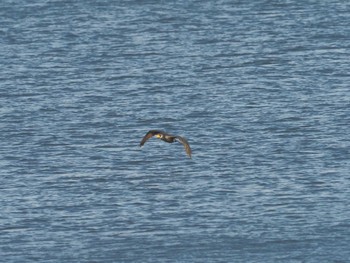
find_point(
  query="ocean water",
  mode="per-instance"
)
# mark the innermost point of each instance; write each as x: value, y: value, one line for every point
x: 259, y: 88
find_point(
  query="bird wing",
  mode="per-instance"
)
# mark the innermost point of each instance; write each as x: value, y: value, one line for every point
x: 185, y: 144
x: 148, y: 135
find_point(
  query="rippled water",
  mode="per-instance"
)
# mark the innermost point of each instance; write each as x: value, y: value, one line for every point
x: 259, y: 88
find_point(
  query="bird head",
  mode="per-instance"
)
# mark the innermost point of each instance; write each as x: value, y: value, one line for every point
x: 159, y: 135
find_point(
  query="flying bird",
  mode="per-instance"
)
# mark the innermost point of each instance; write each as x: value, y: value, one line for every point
x: 167, y: 138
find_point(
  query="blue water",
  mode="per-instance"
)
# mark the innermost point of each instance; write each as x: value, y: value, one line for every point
x: 259, y: 88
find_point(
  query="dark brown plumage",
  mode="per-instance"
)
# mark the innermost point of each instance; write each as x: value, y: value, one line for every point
x: 167, y: 138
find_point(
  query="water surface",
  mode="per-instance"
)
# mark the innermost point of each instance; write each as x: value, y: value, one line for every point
x: 260, y: 90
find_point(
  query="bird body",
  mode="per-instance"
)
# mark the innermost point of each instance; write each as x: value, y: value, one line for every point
x: 167, y: 138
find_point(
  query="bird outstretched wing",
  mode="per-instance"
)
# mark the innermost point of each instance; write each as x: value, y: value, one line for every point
x: 148, y: 135
x: 185, y: 144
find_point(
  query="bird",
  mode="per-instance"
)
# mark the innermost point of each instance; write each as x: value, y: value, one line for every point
x: 167, y: 138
